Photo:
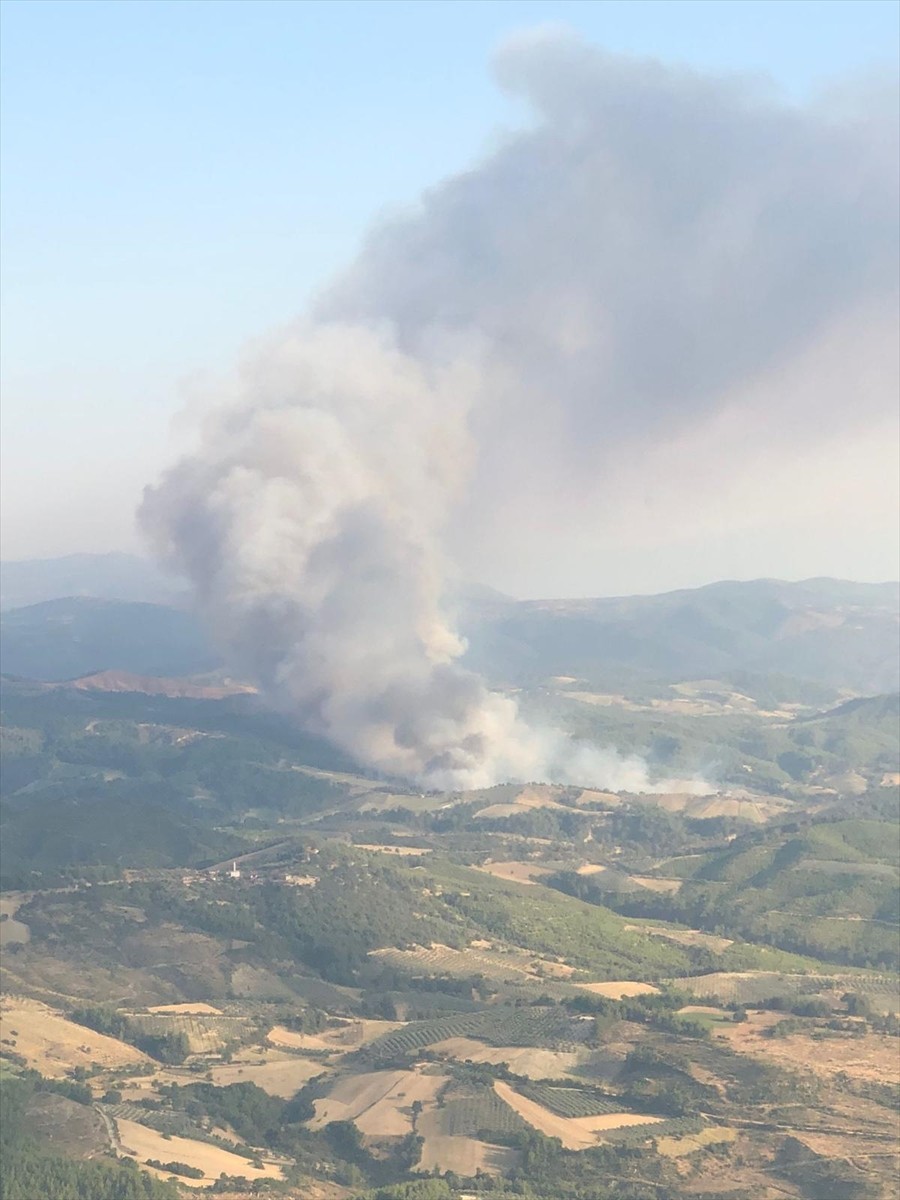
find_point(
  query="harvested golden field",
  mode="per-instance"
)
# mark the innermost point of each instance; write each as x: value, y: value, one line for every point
x: 465, y: 1156
x: 531, y: 1061
x: 144, y: 1143
x: 54, y: 1045
x: 575, y: 1133
x: 12, y: 931
x: 874, y: 1057
x: 516, y: 872
x: 282, y: 1075
x: 379, y: 1103
x: 592, y: 796
x: 591, y: 869
x: 190, y: 1009
x: 677, y: 1147
x: 537, y: 796
x: 749, y: 807
x: 616, y: 989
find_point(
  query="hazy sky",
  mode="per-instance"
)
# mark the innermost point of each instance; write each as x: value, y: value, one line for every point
x: 180, y: 179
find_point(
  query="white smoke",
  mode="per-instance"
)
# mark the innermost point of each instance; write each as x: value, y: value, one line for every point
x: 603, y: 279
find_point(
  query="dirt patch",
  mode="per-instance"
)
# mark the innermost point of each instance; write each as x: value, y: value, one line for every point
x: 616, y: 989
x: 575, y: 1133
x: 146, y: 1143
x: 380, y: 1102
x: 590, y: 869
x: 533, y: 1062
x: 54, y: 1045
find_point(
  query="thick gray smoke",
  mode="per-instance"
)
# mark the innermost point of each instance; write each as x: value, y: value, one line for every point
x: 603, y: 280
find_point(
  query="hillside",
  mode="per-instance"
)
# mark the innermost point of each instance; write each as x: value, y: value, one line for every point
x: 844, y: 635
x: 234, y: 960
x: 77, y: 636
x: 805, y: 641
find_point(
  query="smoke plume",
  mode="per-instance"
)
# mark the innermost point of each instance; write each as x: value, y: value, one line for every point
x: 615, y: 274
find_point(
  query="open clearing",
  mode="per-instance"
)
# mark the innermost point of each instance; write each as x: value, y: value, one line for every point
x: 872, y: 1057
x: 54, y: 1045
x: 279, y: 1076
x: 189, y: 1009
x: 12, y: 932
x: 687, y: 937
x: 677, y: 1147
x: 379, y: 1103
x: 516, y: 872
x: 437, y: 959
x: 339, y: 1038
x: 654, y: 884
x: 575, y: 1133
x: 146, y: 1143
x: 401, y: 851
x: 531, y: 1061
x: 616, y: 989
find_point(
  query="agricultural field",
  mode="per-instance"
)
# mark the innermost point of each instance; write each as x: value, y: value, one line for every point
x: 51, y: 1044
x: 12, y: 932
x: 572, y: 965
x: 517, y: 871
x: 142, y: 1143
x: 466, y: 1156
x: 380, y: 1103
x: 279, y: 1075
x: 755, y: 987
x: 575, y: 1133
x: 529, y: 1061
x: 616, y: 989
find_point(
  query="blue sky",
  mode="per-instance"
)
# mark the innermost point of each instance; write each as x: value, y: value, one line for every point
x: 178, y: 178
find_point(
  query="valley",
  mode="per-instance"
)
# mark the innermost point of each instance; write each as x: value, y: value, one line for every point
x: 235, y: 961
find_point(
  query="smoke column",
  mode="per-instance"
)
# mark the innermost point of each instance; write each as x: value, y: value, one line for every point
x: 605, y: 279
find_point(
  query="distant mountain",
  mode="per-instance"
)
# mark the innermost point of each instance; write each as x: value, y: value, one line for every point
x: 104, y: 576
x: 74, y: 637
x: 846, y: 635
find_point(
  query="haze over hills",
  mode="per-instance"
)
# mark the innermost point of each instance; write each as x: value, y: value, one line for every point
x: 105, y: 576
x: 837, y: 633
